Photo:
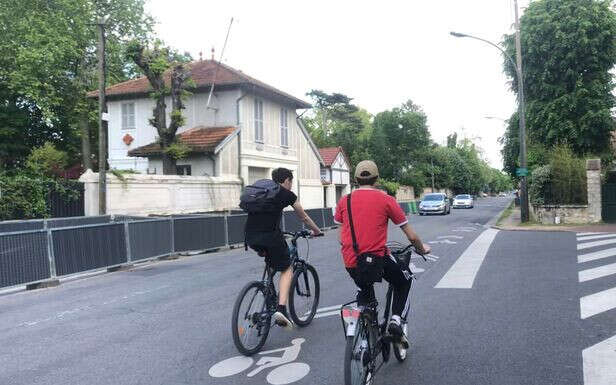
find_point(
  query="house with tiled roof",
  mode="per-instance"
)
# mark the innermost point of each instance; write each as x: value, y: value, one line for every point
x: 244, y: 130
x: 335, y: 177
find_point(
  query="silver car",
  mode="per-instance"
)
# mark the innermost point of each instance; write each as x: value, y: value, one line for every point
x: 463, y: 201
x: 435, y: 203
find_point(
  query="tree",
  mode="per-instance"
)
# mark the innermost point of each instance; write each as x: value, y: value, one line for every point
x: 337, y: 122
x: 569, y: 47
x: 400, y: 141
x: 158, y: 63
x: 49, y: 63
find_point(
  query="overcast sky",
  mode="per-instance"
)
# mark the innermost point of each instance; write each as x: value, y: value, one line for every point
x: 380, y: 53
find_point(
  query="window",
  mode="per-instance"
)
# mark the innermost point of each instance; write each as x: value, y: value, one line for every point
x: 258, y: 120
x: 284, y: 128
x: 184, y: 169
x: 128, y: 116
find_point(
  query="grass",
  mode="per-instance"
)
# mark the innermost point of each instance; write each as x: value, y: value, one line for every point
x: 505, y: 214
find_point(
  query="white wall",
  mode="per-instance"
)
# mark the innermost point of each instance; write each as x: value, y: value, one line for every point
x: 222, y: 113
x: 199, y: 165
x: 162, y: 194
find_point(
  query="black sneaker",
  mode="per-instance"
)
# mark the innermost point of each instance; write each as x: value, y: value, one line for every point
x: 281, y: 318
x: 395, y: 329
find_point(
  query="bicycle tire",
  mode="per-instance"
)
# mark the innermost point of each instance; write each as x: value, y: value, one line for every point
x: 299, y: 278
x: 265, y: 324
x: 350, y: 362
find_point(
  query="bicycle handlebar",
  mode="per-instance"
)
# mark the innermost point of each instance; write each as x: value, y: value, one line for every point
x: 302, y: 234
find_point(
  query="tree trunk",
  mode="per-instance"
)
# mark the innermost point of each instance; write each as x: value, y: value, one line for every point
x: 169, y: 165
x: 85, y: 141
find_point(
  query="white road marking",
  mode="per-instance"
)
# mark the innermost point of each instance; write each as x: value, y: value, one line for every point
x: 327, y: 314
x: 597, y: 255
x: 598, y: 363
x: 463, y: 230
x: 445, y: 241
x: 288, y: 373
x: 590, y: 237
x: 596, y: 303
x: 463, y: 272
x: 230, y: 366
x: 597, y: 272
x: 451, y: 236
x: 587, y: 245
x: 328, y: 308
x: 591, y: 233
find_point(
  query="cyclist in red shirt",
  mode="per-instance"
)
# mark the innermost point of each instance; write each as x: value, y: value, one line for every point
x: 371, y: 211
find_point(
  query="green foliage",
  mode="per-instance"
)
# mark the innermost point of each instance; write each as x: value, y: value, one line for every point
x: 48, y: 63
x: 561, y: 181
x: 568, y: 176
x: 47, y: 160
x: 389, y: 186
x: 24, y: 196
x: 400, y: 141
x: 569, y: 47
x: 177, y: 150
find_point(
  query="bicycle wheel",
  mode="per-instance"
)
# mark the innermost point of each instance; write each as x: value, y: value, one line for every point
x: 399, y: 351
x: 357, y: 357
x: 304, y: 295
x: 251, y: 320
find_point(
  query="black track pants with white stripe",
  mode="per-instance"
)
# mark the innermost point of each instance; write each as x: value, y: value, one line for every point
x: 392, y: 273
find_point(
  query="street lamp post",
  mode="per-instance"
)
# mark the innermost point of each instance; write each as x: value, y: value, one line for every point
x: 518, y: 70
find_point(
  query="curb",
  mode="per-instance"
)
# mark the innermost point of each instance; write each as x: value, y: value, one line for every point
x: 492, y: 222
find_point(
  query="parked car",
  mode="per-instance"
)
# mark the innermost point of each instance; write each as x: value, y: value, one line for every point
x: 502, y: 194
x: 436, y: 203
x: 463, y: 201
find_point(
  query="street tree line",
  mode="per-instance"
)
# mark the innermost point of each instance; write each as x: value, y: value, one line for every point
x: 568, y: 51
x: 399, y: 141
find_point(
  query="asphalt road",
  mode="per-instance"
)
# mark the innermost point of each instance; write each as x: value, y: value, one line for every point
x: 169, y: 322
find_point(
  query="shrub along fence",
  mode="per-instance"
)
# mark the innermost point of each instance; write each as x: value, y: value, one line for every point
x: 38, y: 250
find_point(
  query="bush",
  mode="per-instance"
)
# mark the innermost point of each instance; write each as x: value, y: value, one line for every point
x: 24, y: 196
x: 568, y: 181
x: 390, y: 187
x: 47, y: 160
x: 562, y: 181
x: 539, y: 182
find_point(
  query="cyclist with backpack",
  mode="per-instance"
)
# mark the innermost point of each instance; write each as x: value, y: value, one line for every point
x: 364, y: 215
x: 264, y: 201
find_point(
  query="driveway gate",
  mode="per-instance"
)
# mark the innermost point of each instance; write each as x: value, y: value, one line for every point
x: 608, y: 202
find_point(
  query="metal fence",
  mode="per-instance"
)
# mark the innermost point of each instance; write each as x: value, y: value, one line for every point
x: 51, y: 223
x: 38, y: 250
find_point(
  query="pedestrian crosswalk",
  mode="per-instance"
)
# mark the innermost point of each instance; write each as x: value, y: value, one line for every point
x: 597, y: 261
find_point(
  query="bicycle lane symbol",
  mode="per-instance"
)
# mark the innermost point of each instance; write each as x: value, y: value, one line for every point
x: 286, y: 370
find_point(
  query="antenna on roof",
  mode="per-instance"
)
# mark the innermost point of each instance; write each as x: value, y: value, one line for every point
x: 218, y: 65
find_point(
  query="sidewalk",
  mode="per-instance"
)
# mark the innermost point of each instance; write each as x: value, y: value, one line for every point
x: 513, y: 223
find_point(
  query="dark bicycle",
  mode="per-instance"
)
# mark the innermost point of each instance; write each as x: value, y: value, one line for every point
x: 366, y: 338
x: 257, y: 301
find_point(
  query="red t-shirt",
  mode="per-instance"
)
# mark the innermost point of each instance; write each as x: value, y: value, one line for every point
x: 372, y: 210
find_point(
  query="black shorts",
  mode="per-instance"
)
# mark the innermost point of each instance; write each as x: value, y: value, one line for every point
x: 273, y: 247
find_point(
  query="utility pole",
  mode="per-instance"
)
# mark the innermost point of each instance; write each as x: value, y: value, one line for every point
x: 524, y: 209
x: 102, y: 120
x: 432, y: 169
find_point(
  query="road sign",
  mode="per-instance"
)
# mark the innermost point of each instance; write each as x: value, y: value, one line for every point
x: 521, y: 171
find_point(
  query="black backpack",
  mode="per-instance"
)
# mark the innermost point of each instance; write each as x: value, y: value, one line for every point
x: 260, y: 197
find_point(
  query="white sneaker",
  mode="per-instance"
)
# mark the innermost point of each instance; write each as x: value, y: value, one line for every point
x: 282, y: 319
